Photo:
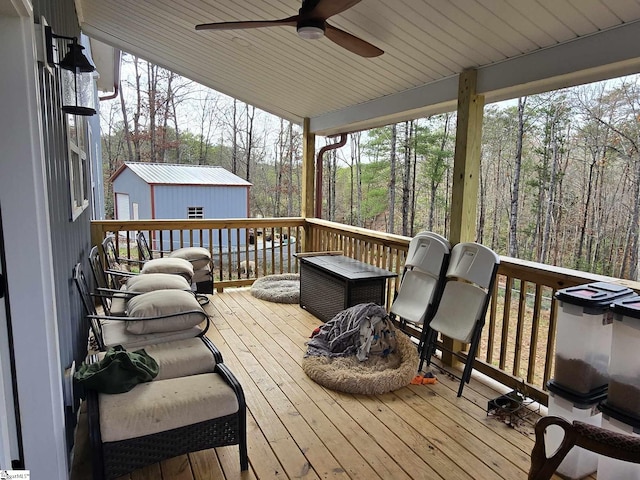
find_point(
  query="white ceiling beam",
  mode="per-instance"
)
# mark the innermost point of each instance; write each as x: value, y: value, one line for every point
x: 607, y: 54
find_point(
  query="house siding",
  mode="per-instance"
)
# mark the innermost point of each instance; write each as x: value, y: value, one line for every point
x: 70, y: 239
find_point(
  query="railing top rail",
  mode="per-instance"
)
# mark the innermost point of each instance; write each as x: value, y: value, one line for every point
x: 555, y: 277
x: 362, y: 233
x: 176, y: 224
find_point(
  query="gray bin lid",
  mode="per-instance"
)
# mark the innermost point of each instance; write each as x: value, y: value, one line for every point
x: 597, y: 296
x: 629, y: 307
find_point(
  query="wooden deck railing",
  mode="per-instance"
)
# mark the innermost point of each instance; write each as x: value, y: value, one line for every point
x: 242, y: 249
x: 517, y: 347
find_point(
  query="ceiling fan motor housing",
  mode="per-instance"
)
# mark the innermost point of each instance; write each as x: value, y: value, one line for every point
x: 311, y: 29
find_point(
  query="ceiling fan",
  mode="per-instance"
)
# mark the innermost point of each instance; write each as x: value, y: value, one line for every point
x: 311, y: 23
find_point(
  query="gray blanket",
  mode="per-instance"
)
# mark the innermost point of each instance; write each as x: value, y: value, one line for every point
x: 340, y: 336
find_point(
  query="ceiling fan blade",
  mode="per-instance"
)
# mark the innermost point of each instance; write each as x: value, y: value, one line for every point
x: 250, y: 24
x: 325, y: 8
x: 351, y: 42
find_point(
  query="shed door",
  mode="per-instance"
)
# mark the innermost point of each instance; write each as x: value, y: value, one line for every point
x: 122, y: 207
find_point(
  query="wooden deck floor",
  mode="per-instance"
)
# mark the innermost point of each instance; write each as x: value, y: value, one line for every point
x: 298, y: 429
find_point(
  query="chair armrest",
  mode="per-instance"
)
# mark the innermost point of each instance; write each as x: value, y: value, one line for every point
x: 121, y: 273
x: 159, y: 317
x: 130, y: 260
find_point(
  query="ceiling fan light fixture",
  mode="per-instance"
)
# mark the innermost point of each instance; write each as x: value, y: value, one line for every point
x: 311, y: 30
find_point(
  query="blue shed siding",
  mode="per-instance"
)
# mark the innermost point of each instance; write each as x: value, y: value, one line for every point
x: 138, y: 190
x: 217, y: 201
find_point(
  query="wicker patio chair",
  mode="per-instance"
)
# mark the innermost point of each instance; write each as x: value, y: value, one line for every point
x: 596, y: 439
x: 199, y: 257
x: 119, y: 330
x: 118, y: 270
x: 114, y: 301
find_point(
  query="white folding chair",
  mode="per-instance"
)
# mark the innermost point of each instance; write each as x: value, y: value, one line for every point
x: 462, y: 308
x: 422, y: 281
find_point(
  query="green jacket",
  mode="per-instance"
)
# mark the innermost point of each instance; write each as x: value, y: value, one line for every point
x: 118, y: 372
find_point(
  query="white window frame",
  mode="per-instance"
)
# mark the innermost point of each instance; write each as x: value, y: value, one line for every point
x: 195, y: 213
x: 78, y: 138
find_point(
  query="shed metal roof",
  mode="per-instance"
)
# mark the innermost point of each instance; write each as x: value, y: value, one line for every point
x: 171, y: 174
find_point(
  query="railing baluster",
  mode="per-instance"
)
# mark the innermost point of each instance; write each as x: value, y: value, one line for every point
x: 551, y: 341
x: 505, y: 323
x: 522, y: 306
x: 533, y: 342
x: 491, y: 334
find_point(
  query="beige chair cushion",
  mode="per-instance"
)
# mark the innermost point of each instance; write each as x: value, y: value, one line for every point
x: 114, y: 332
x: 177, y: 266
x: 163, y: 405
x: 118, y: 307
x: 202, y: 275
x: 179, y: 358
x: 164, y: 302
x: 198, y: 256
x: 157, y: 281
x: 182, y: 358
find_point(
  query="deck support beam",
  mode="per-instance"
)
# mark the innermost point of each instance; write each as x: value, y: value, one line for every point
x: 307, y: 207
x: 466, y: 172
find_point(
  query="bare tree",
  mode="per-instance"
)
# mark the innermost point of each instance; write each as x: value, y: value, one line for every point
x: 515, y: 188
x: 392, y: 178
x: 406, y: 177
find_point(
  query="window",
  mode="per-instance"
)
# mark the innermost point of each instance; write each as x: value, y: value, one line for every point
x: 78, y: 165
x: 195, y: 212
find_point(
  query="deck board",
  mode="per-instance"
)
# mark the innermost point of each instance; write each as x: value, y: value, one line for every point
x: 298, y: 429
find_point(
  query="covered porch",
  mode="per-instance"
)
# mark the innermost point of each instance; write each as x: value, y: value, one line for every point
x: 435, y: 61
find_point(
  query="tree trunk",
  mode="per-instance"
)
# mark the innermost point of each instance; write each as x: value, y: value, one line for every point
x: 125, y: 124
x: 234, y: 148
x: 250, y: 117
x: 392, y: 179
x: 548, y: 215
x: 152, y: 78
x: 413, y: 176
x: 406, y: 178
x: 635, y: 217
x: 515, y: 189
x: 137, y: 113
x: 585, y: 216
x: 290, y: 155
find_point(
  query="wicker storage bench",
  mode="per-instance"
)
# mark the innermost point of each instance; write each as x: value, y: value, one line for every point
x: 332, y: 283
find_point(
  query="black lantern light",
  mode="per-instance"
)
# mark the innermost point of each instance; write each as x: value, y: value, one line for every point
x: 78, y: 91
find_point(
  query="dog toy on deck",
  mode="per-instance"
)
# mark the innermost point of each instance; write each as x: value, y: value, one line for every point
x: 424, y: 379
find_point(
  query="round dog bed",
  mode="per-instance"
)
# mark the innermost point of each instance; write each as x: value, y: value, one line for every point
x: 374, y: 376
x: 284, y: 288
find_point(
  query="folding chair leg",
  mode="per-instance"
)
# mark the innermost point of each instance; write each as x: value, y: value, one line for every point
x: 471, y: 355
x: 428, y: 347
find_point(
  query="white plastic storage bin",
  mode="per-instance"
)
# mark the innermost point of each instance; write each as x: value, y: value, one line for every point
x: 612, y: 469
x: 579, y: 462
x: 583, y: 336
x: 624, y: 364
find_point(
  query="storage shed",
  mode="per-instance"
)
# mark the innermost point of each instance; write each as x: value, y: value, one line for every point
x: 168, y: 191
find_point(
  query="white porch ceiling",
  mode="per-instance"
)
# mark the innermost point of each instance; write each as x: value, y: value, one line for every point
x: 518, y: 46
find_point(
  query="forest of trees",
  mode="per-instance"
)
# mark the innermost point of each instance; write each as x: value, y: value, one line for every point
x: 560, y: 171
